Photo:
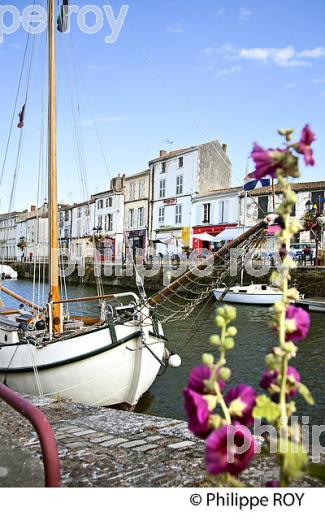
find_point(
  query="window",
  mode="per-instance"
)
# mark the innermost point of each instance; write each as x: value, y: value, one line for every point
x: 179, y: 184
x: 263, y: 204
x: 141, y: 189
x: 78, y: 229
x: 206, y: 213
x: 161, y: 217
x: 131, y: 218
x: 100, y: 204
x: 109, y: 222
x: 66, y: 215
x: 109, y: 202
x: 100, y: 221
x: 163, y: 167
x: 79, y: 212
x: 293, y: 211
x: 87, y: 211
x: 178, y: 214
x: 223, y: 211
x: 162, y: 188
x: 132, y: 190
x: 140, y: 217
x: 316, y: 198
x: 180, y: 162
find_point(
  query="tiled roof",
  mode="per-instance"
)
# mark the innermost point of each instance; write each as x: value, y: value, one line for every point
x: 296, y: 186
x: 174, y: 153
x: 140, y: 174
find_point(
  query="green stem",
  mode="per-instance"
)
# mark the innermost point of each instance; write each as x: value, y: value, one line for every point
x: 223, y: 405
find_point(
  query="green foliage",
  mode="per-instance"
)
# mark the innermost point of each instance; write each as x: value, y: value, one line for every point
x: 306, y: 394
x: 266, y: 408
x: 294, y: 459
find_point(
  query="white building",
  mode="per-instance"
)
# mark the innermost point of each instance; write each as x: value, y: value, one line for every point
x: 177, y: 177
x: 32, y: 239
x: 109, y: 219
x: 211, y: 214
x: 8, y: 241
x: 259, y: 202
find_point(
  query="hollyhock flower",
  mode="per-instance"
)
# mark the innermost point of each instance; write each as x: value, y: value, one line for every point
x: 197, y: 410
x: 241, y: 401
x: 273, y: 483
x: 198, y: 376
x: 306, y: 139
x: 269, y: 381
x: 301, y: 322
x: 229, y: 449
x: 267, y: 161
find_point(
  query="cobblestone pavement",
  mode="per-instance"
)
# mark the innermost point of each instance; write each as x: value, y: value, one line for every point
x: 102, y: 447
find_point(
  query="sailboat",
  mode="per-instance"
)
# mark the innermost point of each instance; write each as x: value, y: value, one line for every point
x: 106, y: 361
x: 112, y: 359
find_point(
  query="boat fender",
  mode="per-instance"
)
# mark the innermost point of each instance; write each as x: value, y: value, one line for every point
x: 174, y: 360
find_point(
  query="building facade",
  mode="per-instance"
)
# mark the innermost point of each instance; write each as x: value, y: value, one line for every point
x: 109, y: 220
x: 259, y: 202
x: 211, y: 214
x: 136, y: 212
x: 176, y: 178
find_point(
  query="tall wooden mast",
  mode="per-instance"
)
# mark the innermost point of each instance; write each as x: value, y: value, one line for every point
x: 54, y: 291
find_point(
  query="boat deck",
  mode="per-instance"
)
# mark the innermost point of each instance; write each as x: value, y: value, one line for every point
x: 315, y: 304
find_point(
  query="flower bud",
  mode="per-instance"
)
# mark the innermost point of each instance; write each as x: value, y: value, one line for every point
x: 220, y: 321
x: 293, y: 294
x: 207, y: 359
x: 225, y: 373
x: 215, y: 421
x: 232, y: 331
x: 215, y: 340
x: 230, y: 312
x: 229, y: 343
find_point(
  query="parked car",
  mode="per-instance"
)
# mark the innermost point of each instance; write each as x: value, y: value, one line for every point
x: 301, y: 249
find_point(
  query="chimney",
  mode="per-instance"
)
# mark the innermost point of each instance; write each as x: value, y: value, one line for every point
x: 224, y: 147
x: 162, y: 153
x: 32, y: 208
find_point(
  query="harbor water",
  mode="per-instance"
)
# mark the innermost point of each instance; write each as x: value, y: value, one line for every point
x: 190, y: 339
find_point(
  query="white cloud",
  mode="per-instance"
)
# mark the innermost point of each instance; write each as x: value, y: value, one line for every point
x: 235, y: 69
x: 244, y: 14
x: 220, y: 11
x: 318, y: 81
x: 318, y: 52
x: 281, y: 57
x: 176, y: 28
x: 113, y: 119
x: 290, y: 86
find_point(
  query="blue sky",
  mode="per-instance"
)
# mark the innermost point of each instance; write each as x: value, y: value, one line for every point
x: 180, y: 71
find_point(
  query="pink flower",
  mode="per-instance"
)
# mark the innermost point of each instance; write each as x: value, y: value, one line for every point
x: 198, y: 376
x: 198, y: 413
x: 267, y: 161
x: 306, y: 139
x: 229, y: 449
x: 241, y: 401
x: 302, y: 323
x: 269, y: 381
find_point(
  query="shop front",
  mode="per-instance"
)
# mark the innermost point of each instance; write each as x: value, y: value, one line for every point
x: 205, y: 237
x: 136, y: 242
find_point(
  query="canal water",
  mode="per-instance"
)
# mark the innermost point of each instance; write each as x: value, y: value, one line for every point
x: 190, y: 339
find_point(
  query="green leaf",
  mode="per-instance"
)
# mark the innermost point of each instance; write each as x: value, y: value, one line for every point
x: 316, y: 471
x: 306, y: 394
x: 294, y: 459
x: 266, y: 408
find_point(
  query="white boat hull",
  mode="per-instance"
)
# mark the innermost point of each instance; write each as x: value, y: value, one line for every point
x: 251, y: 296
x: 96, y: 368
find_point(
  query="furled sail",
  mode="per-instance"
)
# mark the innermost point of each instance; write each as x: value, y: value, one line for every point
x: 63, y: 18
x: 178, y: 300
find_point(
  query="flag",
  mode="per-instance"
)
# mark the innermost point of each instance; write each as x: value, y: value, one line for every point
x: 250, y: 182
x: 21, y: 117
x: 63, y: 18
